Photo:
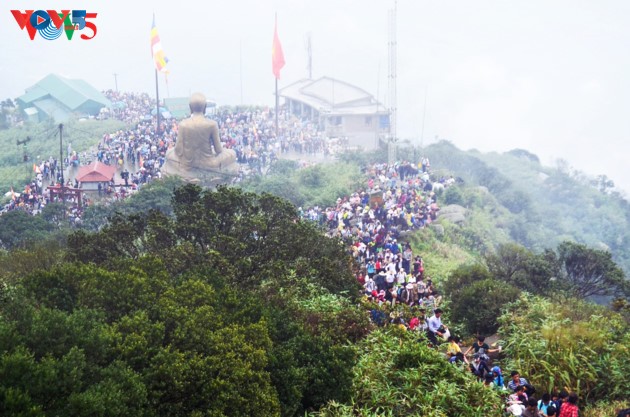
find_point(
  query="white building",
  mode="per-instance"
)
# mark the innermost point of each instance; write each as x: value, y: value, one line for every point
x: 340, y: 109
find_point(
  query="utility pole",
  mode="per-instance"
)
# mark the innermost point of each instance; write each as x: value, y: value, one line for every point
x: 241, y: 67
x: 157, y: 104
x: 393, y: 107
x: 424, y: 113
x: 63, y: 183
x: 116, y: 81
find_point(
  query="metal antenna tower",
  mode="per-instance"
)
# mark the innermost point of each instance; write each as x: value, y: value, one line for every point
x: 393, y: 106
x: 308, y: 44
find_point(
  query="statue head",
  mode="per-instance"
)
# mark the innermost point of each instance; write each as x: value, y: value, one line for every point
x: 198, y: 103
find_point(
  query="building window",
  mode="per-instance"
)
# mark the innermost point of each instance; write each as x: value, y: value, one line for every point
x: 335, y: 120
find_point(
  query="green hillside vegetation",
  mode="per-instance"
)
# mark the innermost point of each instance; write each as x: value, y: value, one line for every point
x: 398, y: 375
x: 44, y: 143
x: 184, y: 302
x: 539, y: 206
x: 317, y: 185
x: 568, y: 343
x: 229, y: 308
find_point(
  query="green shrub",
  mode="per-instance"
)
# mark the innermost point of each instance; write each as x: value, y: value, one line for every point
x: 398, y: 375
x: 479, y: 304
x: 453, y: 195
x: 568, y: 344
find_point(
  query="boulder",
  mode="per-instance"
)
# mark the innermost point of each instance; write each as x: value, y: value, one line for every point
x: 438, y: 229
x: 453, y: 213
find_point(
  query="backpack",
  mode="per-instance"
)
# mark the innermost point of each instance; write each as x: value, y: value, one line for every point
x: 482, y: 354
x: 400, y: 293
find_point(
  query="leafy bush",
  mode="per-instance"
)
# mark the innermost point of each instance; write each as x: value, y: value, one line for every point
x: 605, y: 408
x: 464, y: 276
x: 398, y: 375
x: 568, y: 344
x: 536, y: 273
x: 230, y: 306
x: 18, y: 228
x: 480, y: 303
x: 453, y: 195
x: 318, y: 185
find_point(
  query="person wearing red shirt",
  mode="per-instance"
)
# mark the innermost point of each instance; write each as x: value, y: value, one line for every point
x: 570, y: 408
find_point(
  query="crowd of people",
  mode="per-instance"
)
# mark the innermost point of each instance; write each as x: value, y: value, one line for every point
x: 398, y: 198
x: 34, y: 197
x: 138, y: 151
x: 374, y: 221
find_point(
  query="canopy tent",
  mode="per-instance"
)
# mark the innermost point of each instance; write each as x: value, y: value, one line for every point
x: 96, y: 172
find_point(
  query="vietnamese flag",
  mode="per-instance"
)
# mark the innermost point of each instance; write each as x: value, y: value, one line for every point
x: 277, y: 57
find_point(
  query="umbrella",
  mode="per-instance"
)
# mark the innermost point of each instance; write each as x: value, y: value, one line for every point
x: 9, y: 193
x: 162, y: 110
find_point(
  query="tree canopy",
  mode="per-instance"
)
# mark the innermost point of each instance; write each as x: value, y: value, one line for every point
x: 231, y: 306
x: 591, y: 272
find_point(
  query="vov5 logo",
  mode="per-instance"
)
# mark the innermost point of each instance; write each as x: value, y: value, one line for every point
x: 51, y: 24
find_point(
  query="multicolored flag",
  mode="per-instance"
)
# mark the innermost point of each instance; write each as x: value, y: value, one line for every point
x: 277, y: 56
x: 157, y: 52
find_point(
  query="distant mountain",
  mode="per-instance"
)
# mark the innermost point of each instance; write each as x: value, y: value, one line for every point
x: 516, y: 198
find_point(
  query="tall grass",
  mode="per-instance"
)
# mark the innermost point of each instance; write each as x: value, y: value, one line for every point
x: 568, y: 344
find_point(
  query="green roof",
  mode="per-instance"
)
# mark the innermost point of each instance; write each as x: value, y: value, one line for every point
x: 179, y: 107
x: 52, y: 109
x: 72, y: 94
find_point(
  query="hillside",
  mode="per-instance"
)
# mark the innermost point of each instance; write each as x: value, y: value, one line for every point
x: 43, y: 143
x: 538, y: 206
x: 230, y: 302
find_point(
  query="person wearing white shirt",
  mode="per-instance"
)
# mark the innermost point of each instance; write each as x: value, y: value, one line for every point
x: 435, y: 326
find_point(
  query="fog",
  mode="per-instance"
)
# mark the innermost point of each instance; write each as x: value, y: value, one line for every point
x: 549, y: 77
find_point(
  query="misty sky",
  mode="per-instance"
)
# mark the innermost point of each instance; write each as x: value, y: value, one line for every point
x: 551, y: 77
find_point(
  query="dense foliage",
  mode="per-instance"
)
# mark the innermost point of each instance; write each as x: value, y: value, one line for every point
x: 317, y: 185
x: 228, y: 308
x: 535, y: 205
x: 224, y: 303
x: 568, y: 344
x: 398, y: 375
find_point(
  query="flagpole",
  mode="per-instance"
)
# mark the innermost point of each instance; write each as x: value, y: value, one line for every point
x: 157, y: 98
x: 277, y: 100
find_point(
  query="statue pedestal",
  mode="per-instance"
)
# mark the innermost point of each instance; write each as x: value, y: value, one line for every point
x: 208, y: 176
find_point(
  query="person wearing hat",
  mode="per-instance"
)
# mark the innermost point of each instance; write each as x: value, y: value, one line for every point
x: 406, y: 295
x: 369, y: 285
x: 422, y: 318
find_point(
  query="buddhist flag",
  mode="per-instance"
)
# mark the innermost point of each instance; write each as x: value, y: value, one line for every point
x: 12, y: 194
x: 156, y: 50
x: 277, y: 57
